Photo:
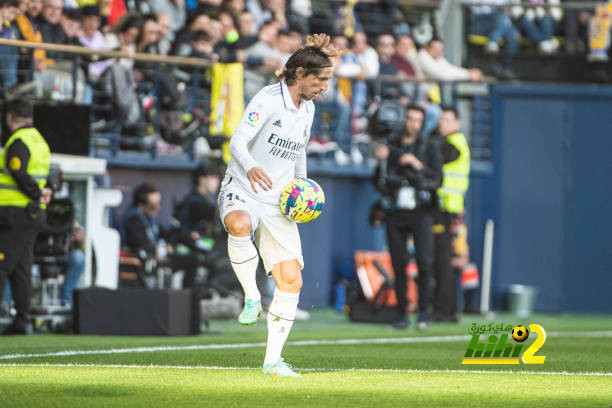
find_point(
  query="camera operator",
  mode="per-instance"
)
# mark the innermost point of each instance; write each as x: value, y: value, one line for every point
x: 24, y: 168
x: 408, y: 173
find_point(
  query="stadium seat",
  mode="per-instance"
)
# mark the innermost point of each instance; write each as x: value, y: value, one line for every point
x: 131, y: 271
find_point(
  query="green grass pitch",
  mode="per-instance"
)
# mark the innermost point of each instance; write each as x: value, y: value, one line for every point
x: 342, y: 365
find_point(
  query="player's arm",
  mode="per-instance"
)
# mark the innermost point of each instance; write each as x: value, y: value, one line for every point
x: 301, y: 168
x: 256, y: 114
x: 300, y: 164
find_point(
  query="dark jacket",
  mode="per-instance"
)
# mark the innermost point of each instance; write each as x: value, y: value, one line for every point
x: 141, y: 232
x: 425, y: 182
x: 196, y: 211
x: 52, y: 33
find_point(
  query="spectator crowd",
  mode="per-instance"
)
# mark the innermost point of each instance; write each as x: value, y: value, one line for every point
x: 376, y: 40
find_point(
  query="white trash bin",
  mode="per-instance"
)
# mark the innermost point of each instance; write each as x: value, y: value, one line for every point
x: 522, y: 299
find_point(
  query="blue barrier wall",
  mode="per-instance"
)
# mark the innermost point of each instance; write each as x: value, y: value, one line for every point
x: 330, y: 241
x: 327, y: 243
x: 551, y: 193
x: 547, y: 188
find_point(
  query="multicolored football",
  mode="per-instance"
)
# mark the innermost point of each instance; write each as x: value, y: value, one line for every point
x: 302, y: 200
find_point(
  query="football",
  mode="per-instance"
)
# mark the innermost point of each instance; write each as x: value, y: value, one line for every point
x: 302, y: 200
x: 520, y: 333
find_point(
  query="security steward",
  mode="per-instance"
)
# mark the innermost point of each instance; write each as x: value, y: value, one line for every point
x: 456, y: 170
x: 24, y: 168
x: 408, y: 173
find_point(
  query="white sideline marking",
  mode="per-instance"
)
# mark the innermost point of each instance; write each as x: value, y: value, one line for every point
x: 392, y: 340
x: 360, y: 370
x: 238, y: 346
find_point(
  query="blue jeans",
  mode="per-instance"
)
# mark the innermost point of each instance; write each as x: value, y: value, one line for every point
x: 360, y: 97
x: 538, y: 30
x: 341, y: 122
x: 6, y: 296
x: 74, y: 270
x: 496, y: 26
x: 432, y: 117
x: 8, y: 65
x: 88, y: 94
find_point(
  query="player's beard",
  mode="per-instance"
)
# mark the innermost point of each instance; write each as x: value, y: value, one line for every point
x: 306, y: 97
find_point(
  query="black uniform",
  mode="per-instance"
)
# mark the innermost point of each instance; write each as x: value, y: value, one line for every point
x: 18, y: 229
x: 411, y: 216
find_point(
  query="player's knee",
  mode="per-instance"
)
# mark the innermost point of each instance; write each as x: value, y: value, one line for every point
x: 238, y: 224
x: 292, y: 283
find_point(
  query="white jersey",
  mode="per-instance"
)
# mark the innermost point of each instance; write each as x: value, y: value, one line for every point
x: 272, y: 134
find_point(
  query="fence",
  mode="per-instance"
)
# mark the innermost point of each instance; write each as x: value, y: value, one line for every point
x: 174, y: 92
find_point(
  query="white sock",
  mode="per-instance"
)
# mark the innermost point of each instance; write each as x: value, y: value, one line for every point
x: 280, y: 319
x: 244, y: 259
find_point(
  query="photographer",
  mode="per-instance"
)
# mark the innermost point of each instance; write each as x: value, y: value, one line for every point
x: 24, y: 168
x: 408, y: 173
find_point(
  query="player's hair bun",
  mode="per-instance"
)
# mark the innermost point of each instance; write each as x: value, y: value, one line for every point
x: 322, y: 43
x: 314, y: 55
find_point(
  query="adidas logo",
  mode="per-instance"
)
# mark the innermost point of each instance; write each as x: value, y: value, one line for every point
x: 278, y: 123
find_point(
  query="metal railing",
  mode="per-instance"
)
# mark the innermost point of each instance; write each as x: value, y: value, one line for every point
x: 190, y: 74
x: 570, y: 5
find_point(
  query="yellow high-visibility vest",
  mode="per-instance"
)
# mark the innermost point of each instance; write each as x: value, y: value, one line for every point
x: 38, y: 167
x: 456, y: 176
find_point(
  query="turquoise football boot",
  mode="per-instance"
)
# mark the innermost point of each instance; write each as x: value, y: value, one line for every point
x: 251, y: 313
x: 280, y: 368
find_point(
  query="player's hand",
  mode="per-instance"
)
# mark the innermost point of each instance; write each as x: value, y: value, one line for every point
x: 258, y: 178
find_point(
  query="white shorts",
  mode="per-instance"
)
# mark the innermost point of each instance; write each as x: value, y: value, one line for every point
x: 276, y: 238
